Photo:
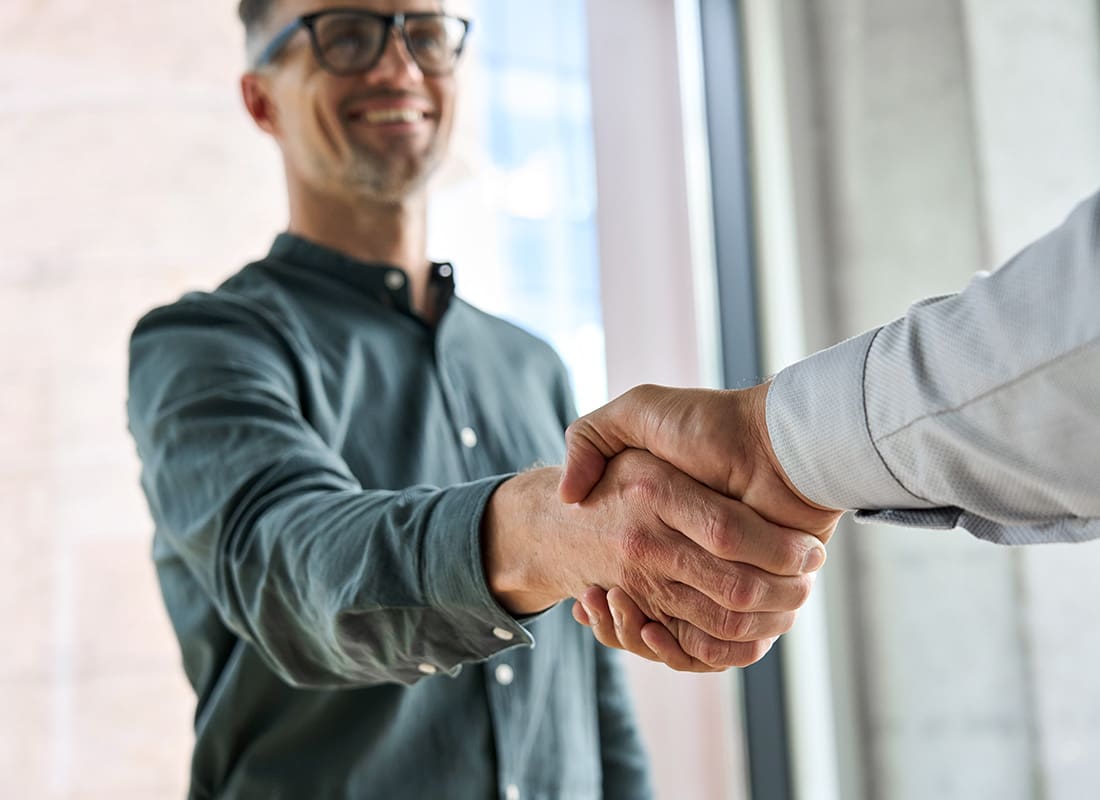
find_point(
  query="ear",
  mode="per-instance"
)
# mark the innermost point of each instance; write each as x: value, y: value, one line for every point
x: 257, y: 100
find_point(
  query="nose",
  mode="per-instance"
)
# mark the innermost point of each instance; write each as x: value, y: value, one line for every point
x: 396, y: 67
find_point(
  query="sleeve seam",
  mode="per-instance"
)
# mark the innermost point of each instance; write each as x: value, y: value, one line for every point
x: 1030, y: 373
x: 867, y: 423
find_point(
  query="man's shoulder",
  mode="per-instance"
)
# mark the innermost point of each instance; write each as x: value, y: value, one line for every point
x: 244, y: 298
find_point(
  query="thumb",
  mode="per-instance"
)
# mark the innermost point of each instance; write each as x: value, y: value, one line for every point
x: 594, y: 438
x: 586, y: 456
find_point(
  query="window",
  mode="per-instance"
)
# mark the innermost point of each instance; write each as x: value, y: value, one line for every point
x: 517, y: 211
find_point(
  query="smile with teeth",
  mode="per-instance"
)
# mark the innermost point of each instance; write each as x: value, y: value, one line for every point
x: 384, y: 116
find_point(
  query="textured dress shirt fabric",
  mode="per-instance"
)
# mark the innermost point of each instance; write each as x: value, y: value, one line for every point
x: 317, y: 461
x: 979, y: 410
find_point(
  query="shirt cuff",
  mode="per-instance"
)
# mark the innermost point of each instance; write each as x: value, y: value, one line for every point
x: 453, y: 573
x: 817, y: 421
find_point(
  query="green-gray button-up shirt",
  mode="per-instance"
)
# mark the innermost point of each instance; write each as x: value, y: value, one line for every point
x: 317, y: 461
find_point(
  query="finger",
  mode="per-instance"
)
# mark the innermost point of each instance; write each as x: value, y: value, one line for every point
x: 739, y: 587
x: 706, y: 649
x: 606, y: 630
x: 661, y: 641
x: 623, y: 423
x: 579, y: 614
x: 731, y: 530
x: 695, y: 608
x: 594, y: 601
x: 629, y: 620
x: 590, y: 441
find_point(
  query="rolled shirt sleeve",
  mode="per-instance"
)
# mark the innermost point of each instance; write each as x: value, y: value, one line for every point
x: 334, y: 585
x: 979, y: 410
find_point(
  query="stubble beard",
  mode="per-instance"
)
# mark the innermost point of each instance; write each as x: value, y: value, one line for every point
x: 389, y: 179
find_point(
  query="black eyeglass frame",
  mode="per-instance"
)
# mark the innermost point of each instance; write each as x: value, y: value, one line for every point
x: 389, y: 21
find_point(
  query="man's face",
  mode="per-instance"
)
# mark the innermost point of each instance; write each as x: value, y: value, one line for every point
x: 375, y: 135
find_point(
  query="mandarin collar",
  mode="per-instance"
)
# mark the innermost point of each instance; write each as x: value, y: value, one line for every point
x: 387, y: 284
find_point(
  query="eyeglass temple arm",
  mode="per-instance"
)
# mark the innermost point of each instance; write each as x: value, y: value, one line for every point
x: 277, y: 43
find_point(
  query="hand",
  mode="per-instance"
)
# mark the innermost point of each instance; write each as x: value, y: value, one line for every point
x: 692, y: 558
x: 720, y: 438
x: 616, y: 621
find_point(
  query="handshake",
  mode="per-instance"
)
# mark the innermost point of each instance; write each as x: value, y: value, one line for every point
x: 672, y: 524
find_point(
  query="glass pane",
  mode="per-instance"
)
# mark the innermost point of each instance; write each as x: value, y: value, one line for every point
x: 526, y: 183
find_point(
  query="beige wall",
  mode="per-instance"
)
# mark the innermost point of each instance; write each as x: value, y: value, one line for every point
x: 123, y: 163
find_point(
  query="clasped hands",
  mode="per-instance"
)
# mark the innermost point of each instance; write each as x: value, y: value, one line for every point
x: 749, y: 543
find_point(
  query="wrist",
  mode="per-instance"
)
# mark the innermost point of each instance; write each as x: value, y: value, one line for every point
x: 513, y: 555
x: 759, y: 414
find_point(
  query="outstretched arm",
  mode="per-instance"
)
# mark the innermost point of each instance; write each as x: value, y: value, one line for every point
x: 978, y: 410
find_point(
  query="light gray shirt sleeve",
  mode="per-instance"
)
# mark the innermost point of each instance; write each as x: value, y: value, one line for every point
x: 979, y: 410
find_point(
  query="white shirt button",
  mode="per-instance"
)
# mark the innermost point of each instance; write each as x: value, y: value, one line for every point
x: 445, y: 271
x: 395, y: 280
x: 512, y: 792
x: 428, y: 669
x: 505, y: 674
x: 503, y: 635
x: 469, y: 438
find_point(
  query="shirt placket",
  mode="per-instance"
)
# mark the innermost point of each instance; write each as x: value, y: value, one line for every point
x: 499, y: 673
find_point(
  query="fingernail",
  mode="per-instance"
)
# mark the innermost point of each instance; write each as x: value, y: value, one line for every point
x: 593, y: 617
x: 814, y: 559
x: 616, y: 617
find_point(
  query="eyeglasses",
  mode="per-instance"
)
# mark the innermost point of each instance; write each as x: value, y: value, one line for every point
x: 347, y: 41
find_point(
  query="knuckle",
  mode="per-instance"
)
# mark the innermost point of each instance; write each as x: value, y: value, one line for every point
x: 713, y: 653
x: 710, y: 651
x: 744, y: 592
x: 722, y: 536
x: 736, y: 626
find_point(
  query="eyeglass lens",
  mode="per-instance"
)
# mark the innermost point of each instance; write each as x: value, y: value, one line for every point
x: 353, y: 42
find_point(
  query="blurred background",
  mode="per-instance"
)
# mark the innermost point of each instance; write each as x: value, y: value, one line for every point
x: 677, y: 191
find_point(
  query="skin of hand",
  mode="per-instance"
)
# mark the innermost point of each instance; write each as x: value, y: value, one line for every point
x: 682, y: 550
x: 718, y: 437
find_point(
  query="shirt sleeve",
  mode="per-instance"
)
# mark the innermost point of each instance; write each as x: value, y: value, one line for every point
x: 333, y: 585
x: 979, y: 410
x: 623, y: 759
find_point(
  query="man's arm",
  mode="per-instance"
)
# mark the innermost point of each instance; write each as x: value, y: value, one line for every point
x: 337, y: 585
x: 332, y: 585
x: 979, y: 410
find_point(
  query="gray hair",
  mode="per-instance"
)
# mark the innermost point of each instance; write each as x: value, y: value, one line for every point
x: 254, y: 15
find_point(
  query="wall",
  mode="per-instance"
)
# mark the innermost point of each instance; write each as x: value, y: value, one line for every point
x: 929, y: 141
x: 107, y: 207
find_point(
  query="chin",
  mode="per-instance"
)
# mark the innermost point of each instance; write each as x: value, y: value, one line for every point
x: 390, y: 185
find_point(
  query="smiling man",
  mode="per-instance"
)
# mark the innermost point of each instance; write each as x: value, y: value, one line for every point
x: 354, y: 552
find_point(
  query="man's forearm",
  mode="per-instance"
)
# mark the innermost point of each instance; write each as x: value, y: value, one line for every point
x: 984, y: 402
